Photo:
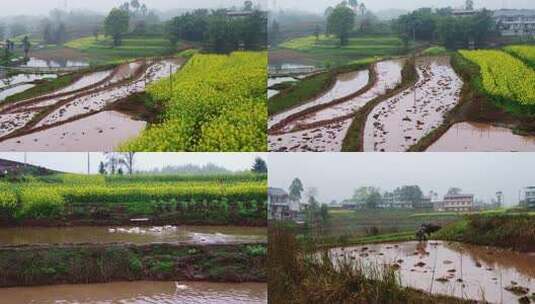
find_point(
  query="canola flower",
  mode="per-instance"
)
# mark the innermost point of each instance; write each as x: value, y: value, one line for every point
x: 526, y: 52
x: 215, y: 103
x: 504, y: 75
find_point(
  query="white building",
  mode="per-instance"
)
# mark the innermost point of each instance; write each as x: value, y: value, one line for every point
x: 528, y: 197
x: 281, y: 207
x: 515, y: 22
x: 458, y: 202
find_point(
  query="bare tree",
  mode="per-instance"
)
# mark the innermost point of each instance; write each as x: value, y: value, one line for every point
x: 127, y: 160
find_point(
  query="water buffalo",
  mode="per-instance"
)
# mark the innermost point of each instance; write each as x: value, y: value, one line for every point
x: 425, y: 230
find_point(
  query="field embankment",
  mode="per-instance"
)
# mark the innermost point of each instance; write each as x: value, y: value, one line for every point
x: 43, y: 265
x: 516, y: 232
x: 98, y: 200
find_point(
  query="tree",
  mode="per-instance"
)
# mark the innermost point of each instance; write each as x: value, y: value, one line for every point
x: 259, y: 166
x: 328, y: 11
x: 112, y: 161
x: 317, y: 30
x: 61, y: 34
x: 470, y: 5
x: 26, y: 46
x: 296, y: 188
x: 354, y: 5
x: 274, y: 33
x: 411, y: 194
x: 96, y: 32
x: 127, y: 159
x: 248, y: 6
x: 102, y: 169
x: 120, y: 171
x: 2, y: 31
x: 340, y: 22
x: 373, y: 199
x: 324, y: 213
x: 116, y: 25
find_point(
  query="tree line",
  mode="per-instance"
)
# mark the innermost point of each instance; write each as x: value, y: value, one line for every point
x: 221, y: 30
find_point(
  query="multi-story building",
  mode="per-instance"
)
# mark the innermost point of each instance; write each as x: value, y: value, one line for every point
x: 278, y: 204
x: 528, y: 194
x: 515, y: 22
x: 458, y: 202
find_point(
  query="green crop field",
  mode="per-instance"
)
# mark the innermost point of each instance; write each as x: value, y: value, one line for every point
x: 101, y: 50
x: 525, y: 52
x: 328, y: 48
x: 505, y: 76
x: 214, y: 103
x: 216, y: 197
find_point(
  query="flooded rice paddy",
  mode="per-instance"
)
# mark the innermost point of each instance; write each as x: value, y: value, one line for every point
x: 345, y: 85
x: 143, y: 292
x: 325, y: 129
x: 99, y: 132
x: 23, y: 78
x: 479, y: 137
x: 401, y: 121
x: 277, y: 80
x: 14, y: 90
x: 131, y: 234
x: 41, y: 63
x: 92, y: 93
x: 453, y: 269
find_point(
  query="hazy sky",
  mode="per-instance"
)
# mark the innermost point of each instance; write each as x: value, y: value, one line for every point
x: 336, y: 175
x: 77, y: 162
x: 374, y: 5
x: 42, y: 7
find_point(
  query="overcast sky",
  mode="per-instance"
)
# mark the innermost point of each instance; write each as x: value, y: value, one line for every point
x: 374, y: 5
x: 336, y: 175
x: 77, y: 162
x: 42, y: 7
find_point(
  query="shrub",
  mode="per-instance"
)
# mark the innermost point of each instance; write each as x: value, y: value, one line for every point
x: 45, y: 203
x: 8, y: 202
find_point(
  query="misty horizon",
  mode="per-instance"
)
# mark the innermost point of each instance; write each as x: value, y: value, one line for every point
x: 43, y: 7
x: 76, y: 162
x: 319, y: 6
x: 336, y: 176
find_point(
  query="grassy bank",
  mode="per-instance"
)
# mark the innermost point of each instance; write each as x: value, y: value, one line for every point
x: 102, y: 50
x: 516, y: 232
x: 330, y: 53
x: 312, y: 87
x: 354, y: 140
x: 296, y: 275
x: 43, y: 265
x: 64, y: 199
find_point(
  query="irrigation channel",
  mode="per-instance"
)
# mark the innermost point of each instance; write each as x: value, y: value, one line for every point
x: 79, y: 114
x: 396, y: 122
x: 177, y: 264
x: 453, y: 269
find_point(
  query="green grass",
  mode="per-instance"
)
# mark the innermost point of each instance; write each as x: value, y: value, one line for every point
x: 102, y: 50
x: 435, y: 51
x: 328, y: 50
x: 47, y: 86
x: 303, y: 91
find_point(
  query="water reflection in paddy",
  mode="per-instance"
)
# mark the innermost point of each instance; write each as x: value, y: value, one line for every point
x: 143, y: 292
x: 460, y: 270
x: 480, y: 137
x: 131, y: 234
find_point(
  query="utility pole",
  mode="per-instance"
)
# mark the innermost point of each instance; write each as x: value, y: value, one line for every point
x: 88, y: 164
x: 25, y: 158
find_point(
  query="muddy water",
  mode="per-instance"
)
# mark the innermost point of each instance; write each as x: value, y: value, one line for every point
x: 12, y: 122
x: 131, y: 234
x: 478, y: 137
x: 24, y: 78
x: 40, y: 63
x: 14, y: 90
x: 144, y: 292
x: 103, y: 131
x: 399, y: 122
x: 330, y: 136
x: 345, y: 85
x: 277, y: 80
x: 453, y: 269
x: 99, y: 100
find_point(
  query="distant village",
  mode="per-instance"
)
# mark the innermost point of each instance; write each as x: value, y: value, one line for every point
x: 282, y: 206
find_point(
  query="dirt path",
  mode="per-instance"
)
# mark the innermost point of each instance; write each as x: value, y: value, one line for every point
x: 399, y: 122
